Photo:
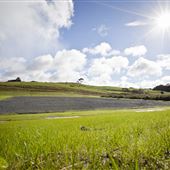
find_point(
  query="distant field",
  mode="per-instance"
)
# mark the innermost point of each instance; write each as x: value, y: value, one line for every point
x: 101, y: 139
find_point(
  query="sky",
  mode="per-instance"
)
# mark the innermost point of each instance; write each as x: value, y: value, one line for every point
x: 106, y: 42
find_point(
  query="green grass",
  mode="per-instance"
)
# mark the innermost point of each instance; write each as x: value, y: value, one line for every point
x: 54, y: 89
x: 76, y: 90
x: 3, y: 97
x: 58, y: 87
x: 101, y: 139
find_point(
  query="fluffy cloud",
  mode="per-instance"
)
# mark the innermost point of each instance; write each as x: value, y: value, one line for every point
x: 37, y: 69
x: 66, y: 65
x: 136, y: 24
x: 53, y: 15
x: 143, y: 67
x: 41, y: 63
x: 165, y: 79
x: 102, y: 30
x: 32, y: 28
x: 152, y: 83
x: 69, y: 65
x: 124, y: 82
x: 102, y: 69
x: 136, y: 51
x: 12, y: 66
x: 164, y: 61
x: 103, y: 49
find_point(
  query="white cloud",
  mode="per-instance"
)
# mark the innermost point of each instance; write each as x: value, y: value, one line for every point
x: 102, y: 69
x: 136, y: 51
x: 20, y: 67
x: 103, y: 49
x: 32, y: 28
x: 148, y: 83
x: 143, y: 67
x: 124, y: 79
x: 54, y: 15
x: 12, y: 68
x: 2, y: 37
x: 13, y: 65
x: 145, y: 83
x: 102, y: 30
x: 164, y: 61
x: 105, y: 68
x: 152, y: 83
x: 69, y: 65
x: 124, y: 82
x: 136, y: 24
x: 166, y: 79
x: 41, y: 63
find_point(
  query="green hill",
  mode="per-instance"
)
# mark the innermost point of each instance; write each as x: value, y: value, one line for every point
x: 8, y: 89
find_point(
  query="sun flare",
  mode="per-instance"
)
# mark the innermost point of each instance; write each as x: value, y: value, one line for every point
x: 163, y: 21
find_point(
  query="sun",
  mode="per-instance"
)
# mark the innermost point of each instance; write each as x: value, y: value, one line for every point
x: 162, y: 21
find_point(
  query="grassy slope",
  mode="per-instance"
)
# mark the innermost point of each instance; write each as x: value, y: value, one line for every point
x: 122, y: 139
x: 39, y: 88
x: 69, y: 89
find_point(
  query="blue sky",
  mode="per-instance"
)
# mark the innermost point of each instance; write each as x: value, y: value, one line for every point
x: 93, y: 14
x: 118, y: 43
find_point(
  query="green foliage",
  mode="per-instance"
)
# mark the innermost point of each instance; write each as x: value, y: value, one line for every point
x: 3, y: 163
x: 122, y: 139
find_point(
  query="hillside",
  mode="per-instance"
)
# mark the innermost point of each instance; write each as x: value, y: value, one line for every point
x: 8, y: 89
x: 44, y: 88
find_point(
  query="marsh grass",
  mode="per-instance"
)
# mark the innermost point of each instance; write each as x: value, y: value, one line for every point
x: 123, y: 139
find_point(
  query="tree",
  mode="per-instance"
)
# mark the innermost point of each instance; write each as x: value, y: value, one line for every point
x: 80, y: 80
x: 18, y: 79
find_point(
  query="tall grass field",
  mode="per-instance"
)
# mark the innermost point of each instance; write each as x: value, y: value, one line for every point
x: 101, y: 140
